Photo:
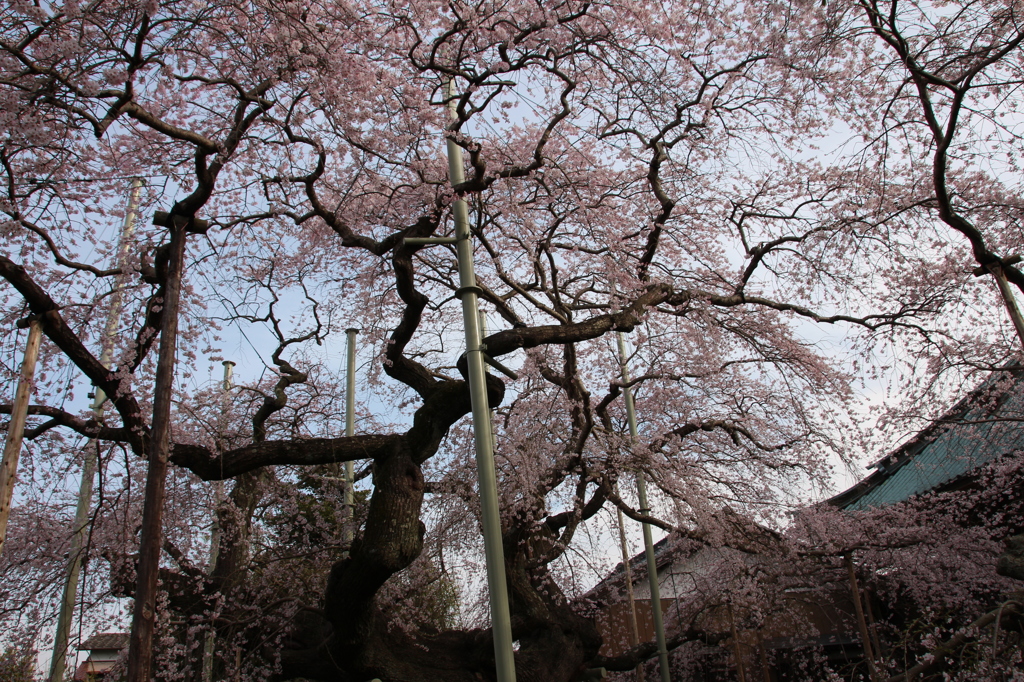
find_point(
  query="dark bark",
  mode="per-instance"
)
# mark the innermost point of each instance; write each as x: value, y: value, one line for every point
x: 209, y: 466
x: 61, y: 335
x: 140, y: 652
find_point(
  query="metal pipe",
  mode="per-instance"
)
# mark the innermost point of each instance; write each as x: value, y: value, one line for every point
x: 210, y: 645
x: 634, y: 634
x: 16, y: 427
x: 1009, y: 300
x: 350, y: 430
x: 229, y: 377
x: 227, y: 384
x: 645, y: 508
x: 501, y: 622
x: 58, y: 661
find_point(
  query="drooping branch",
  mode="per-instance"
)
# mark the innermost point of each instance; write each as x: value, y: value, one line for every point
x: 209, y: 466
x: 937, y: 656
x: 430, y: 424
x: 657, y: 295
x: 648, y: 650
x: 58, y: 331
x: 58, y: 417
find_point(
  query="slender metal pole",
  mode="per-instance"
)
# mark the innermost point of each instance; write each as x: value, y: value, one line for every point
x: 1009, y: 300
x: 229, y: 378
x: 490, y: 417
x: 210, y: 644
x: 645, y: 508
x: 634, y: 633
x: 16, y: 428
x: 350, y: 430
x: 227, y: 383
x: 501, y: 622
x: 80, y: 533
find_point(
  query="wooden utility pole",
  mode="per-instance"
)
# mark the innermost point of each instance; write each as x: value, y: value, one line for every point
x: 80, y: 531
x: 861, y: 623
x: 16, y: 428
x: 140, y: 647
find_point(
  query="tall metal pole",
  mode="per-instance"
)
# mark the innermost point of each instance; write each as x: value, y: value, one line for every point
x: 634, y: 632
x: 16, y: 428
x: 501, y: 621
x: 350, y: 430
x: 78, y: 539
x: 215, y: 531
x: 227, y: 383
x: 1009, y: 300
x: 490, y: 416
x: 645, y: 508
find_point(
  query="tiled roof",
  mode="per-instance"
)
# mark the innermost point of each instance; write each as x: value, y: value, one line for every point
x: 105, y: 641
x: 980, y: 428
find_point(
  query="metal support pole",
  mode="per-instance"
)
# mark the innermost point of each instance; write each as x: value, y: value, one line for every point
x: 350, y: 430
x: 490, y: 417
x: 16, y: 427
x: 58, y: 661
x: 634, y: 633
x: 227, y: 384
x: 1009, y: 300
x: 645, y: 508
x: 229, y: 377
x: 501, y: 621
x: 210, y: 643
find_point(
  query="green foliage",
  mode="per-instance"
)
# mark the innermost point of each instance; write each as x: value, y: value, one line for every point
x: 425, y: 599
x: 17, y: 665
x: 317, y: 516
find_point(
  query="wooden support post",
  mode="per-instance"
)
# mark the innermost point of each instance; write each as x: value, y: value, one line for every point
x: 997, y: 270
x: 873, y: 626
x: 740, y: 672
x: 140, y: 647
x: 81, y: 528
x: 766, y: 672
x: 16, y: 428
x: 861, y: 623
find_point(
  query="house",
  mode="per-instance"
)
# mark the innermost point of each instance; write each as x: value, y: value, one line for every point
x: 696, y: 583
x: 104, y: 650
x: 697, y: 580
x: 984, y: 426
